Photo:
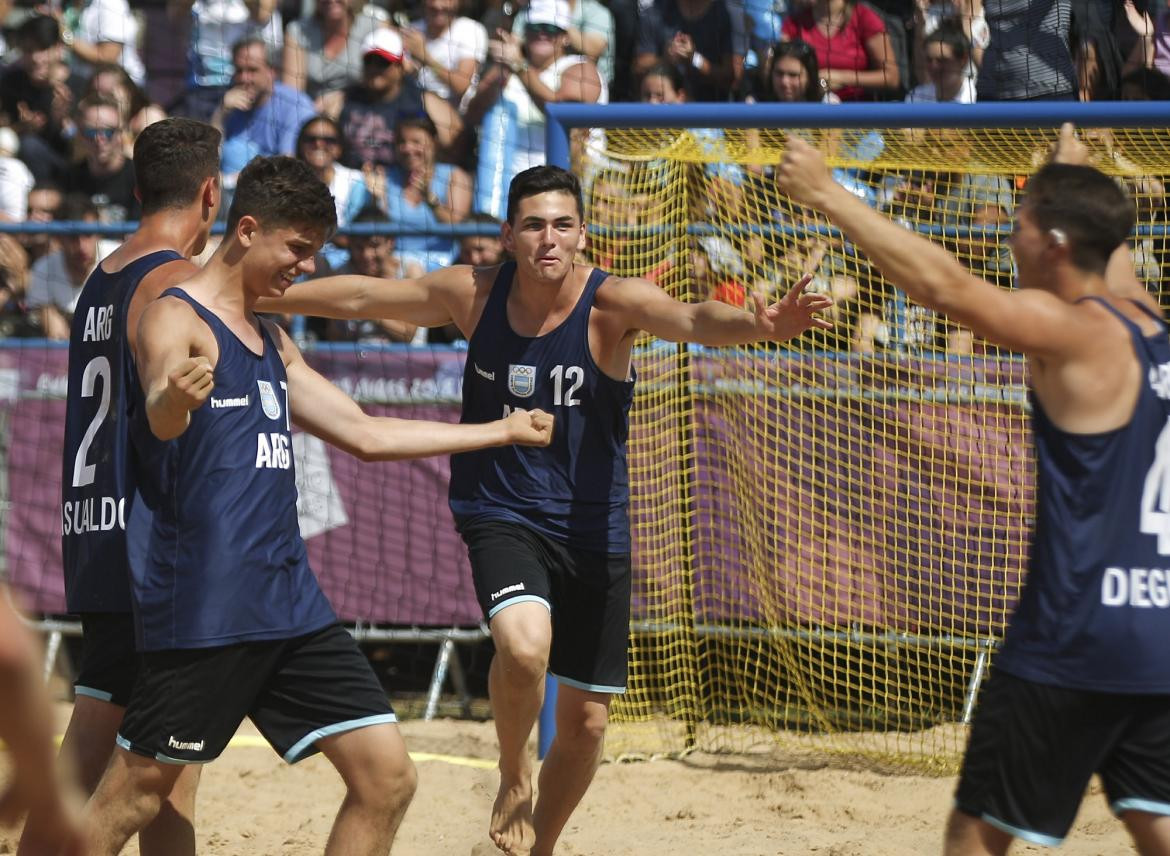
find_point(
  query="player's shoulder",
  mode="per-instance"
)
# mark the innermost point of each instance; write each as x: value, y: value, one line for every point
x: 621, y: 290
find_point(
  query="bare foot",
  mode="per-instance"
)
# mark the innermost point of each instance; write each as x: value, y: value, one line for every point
x: 511, y: 828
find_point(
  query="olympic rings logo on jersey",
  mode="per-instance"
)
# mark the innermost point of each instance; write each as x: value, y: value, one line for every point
x: 521, y: 380
x: 268, y: 400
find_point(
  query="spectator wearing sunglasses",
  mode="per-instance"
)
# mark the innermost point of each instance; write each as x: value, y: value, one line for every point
x: 105, y: 176
x: 590, y: 32
x: 319, y: 145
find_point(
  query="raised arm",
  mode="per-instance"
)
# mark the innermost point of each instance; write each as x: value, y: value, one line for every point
x: 325, y: 411
x: 173, y: 363
x: 645, y: 306
x: 429, y: 301
x: 1030, y: 320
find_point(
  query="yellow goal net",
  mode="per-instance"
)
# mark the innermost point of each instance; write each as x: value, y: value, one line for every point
x: 829, y: 535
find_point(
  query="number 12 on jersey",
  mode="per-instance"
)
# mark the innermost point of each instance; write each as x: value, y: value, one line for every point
x: 566, y: 381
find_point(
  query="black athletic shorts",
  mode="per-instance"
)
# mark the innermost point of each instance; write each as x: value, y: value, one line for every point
x: 109, y: 661
x: 1033, y: 749
x: 187, y: 704
x: 587, y: 594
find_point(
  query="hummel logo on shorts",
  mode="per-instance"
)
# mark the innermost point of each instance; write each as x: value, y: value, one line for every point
x: 496, y: 595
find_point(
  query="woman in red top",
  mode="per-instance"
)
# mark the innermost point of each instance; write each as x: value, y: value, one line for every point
x: 853, y: 48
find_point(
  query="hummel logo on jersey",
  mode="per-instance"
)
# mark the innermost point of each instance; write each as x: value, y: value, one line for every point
x: 496, y: 595
x: 216, y: 403
x: 488, y: 375
x: 187, y: 745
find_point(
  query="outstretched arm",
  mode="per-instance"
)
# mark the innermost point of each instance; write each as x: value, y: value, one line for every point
x: 1030, y: 320
x: 325, y: 411
x: 647, y: 307
x: 425, y: 302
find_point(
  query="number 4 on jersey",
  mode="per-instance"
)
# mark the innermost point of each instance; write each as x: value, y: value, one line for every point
x: 1156, y: 494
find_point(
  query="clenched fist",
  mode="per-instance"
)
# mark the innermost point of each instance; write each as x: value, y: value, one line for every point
x: 530, y: 427
x: 191, y: 382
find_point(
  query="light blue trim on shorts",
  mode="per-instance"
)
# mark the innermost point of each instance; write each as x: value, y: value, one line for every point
x: 296, y: 753
x: 524, y: 598
x: 90, y: 692
x: 1025, y: 834
x: 1138, y: 804
x: 158, y: 756
x: 593, y: 688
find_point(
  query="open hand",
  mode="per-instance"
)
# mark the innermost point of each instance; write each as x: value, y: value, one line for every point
x: 530, y: 427
x: 794, y: 313
x: 191, y: 382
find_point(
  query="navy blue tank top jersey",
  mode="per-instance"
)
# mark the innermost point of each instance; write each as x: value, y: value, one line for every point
x: 1095, y: 610
x: 576, y: 491
x: 216, y: 552
x: 96, y: 484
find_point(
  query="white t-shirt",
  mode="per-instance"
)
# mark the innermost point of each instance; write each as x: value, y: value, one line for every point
x: 15, y: 183
x: 927, y: 92
x: 530, y: 142
x: 464, y: 39
x: 49, y: 284
x: 112, y: 21
x: 216, y: 25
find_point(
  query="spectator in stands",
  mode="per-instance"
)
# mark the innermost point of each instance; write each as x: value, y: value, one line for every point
x: 55, y: 281
x: 15, y: 179
x: 929, y: 15
x: 32, y: 103
x: 215, y: 27
x: 477, y: 251
x: 14, y: 317
x: 791, y: 73
x: 44, y: 204
x: 518, y: 81
x: 705, y: 39
x: 373, y: 255
x: 1028, y: 57
x: 259, y: 115
x: 854, y: 51
x: 105, y: 175
x: 947, y: 57
x: 419, y: 192
x: 387, y: 93
x: 446, y: 48
x: 590, y: 33
x: 107, y: 32
x: 136, y: 108
x: 319, y: 145
x: 323, y: 51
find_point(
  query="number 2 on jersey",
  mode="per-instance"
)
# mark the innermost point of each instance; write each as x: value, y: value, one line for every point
x: 98, y: 367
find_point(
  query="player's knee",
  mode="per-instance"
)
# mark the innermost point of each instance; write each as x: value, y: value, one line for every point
x: 524, y: 657
x: 584, y: 726
x: 387, y: 785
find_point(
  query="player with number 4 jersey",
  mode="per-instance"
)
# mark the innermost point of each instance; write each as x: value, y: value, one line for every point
x: 1081, y: 685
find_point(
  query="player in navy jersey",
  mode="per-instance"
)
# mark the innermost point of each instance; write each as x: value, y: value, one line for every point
x: 547, y: 530
x: 177, y: 168
x: 230, y: 618
x: 1082, y: 682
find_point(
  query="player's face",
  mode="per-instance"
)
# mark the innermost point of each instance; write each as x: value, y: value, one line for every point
x: 277, y: 256
x: 545, y: 235
x: 1029, y: 246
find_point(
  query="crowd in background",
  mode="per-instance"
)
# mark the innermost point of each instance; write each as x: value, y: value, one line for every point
x: 419, y: 112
